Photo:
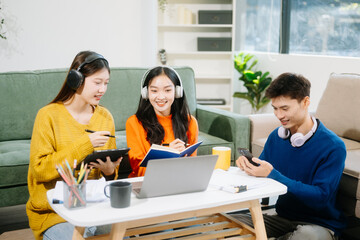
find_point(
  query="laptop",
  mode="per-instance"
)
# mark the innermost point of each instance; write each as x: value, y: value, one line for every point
x: 171, y: 176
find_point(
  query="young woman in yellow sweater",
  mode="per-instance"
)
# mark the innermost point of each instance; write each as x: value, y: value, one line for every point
x: 163, y: 117
x: 59, y: 134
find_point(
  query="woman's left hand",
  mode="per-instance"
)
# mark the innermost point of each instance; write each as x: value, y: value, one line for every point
x: 108, y: 167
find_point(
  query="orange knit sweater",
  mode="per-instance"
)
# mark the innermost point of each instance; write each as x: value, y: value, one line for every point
x: 58, y: 136
x: 139, y: 146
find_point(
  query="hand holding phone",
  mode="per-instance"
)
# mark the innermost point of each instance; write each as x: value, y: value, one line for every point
x: 246, y: 153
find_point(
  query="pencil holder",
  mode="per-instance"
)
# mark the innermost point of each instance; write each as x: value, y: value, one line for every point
x: 75, y: 195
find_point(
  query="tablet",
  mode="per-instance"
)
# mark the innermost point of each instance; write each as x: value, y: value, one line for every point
x: 114, y: 154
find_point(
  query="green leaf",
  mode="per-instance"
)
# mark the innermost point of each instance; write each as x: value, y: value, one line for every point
x: 249, y: 75
x: 264, y: 84
x: 258, y: 74
x: 263, y: 102
x: 243, y: 95
x: 252, y: 86
x: 265, y: 74
x: 253, y: 64
x: 255, y: 82
x: 248, y: 57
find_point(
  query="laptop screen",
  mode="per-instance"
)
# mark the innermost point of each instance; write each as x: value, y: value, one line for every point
x: 177, y: 175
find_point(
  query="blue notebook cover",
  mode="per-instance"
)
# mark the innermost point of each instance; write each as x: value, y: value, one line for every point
x: 159, y: 152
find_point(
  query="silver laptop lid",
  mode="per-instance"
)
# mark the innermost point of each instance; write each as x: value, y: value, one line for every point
x: 177, y: 175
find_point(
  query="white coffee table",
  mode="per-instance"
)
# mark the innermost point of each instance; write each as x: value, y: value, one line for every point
x: 178, y: 211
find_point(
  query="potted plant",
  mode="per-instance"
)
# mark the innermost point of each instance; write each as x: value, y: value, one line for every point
x: 255, y: 82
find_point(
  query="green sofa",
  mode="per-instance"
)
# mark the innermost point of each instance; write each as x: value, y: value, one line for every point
x: 24, y: 93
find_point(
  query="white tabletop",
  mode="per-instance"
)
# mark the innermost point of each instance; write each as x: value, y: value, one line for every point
x: 102, y: 213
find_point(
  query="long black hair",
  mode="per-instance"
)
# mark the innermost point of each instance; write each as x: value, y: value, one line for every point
x: 179, y: 110
x: 88, y: 69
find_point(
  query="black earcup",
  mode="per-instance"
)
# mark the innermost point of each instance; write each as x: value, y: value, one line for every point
x: 74, y: 79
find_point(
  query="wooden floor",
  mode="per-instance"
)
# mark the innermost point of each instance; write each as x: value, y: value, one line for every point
x: 23, y: 234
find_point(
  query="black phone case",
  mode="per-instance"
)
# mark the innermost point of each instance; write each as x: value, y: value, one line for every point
x: 246, y: 153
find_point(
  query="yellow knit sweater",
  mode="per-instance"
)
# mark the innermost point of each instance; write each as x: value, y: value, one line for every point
x: 58, y: 136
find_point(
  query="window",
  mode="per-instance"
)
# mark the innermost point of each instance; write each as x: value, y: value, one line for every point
x: 325, y: 27
x: 262, y: 24
x: 319, y: 27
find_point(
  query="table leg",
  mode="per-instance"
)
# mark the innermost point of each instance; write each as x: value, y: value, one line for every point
x: 258, y: 220
x: 78, y: 233
x: 117, y: 231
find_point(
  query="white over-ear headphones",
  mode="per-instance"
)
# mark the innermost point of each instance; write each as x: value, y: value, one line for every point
x: 297, y: 139
x: 179, y: 91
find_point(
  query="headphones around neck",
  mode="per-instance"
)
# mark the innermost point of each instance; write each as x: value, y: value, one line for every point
x: 297, y: 139
x: 75, y: 78
x: 179, y: 90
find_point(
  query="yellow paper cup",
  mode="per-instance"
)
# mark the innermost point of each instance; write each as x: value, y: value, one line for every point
x: 224, y: 153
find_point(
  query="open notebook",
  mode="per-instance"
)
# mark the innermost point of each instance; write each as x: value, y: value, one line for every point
x: 159, y: 152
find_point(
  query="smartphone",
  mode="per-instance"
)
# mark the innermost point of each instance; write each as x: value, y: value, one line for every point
x: 246, y: 153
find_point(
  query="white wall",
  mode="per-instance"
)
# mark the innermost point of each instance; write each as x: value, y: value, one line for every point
x: 49, y: 33
x: 316, y: 68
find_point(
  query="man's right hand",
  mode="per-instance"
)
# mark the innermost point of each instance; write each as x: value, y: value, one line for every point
x: 263, y: 170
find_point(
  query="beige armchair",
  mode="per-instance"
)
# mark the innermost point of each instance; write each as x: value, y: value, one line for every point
x: 261, y: 125
x: 339, y: 111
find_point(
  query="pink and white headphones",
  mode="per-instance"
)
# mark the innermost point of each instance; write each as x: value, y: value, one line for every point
x: 297, y: 139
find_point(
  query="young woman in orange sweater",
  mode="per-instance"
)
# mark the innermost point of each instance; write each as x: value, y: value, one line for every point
x: 163, y: 117
x: 59, y: 134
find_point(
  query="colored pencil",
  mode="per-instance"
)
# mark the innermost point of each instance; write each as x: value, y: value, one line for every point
x: 68, y: 182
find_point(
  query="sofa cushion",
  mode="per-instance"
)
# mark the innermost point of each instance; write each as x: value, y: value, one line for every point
x: 338, y: 108
x: 121, y: 139
x: 352, y: 164
x: 351, y: 144
x: 14, y: 195
x: 17, y: 93
x: 14, y: 161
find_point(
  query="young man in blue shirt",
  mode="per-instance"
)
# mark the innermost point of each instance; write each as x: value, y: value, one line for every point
x: 306, y: 157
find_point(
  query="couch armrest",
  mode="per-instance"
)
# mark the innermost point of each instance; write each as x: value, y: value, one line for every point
x: 262, y: 125
x: 229, y: 126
